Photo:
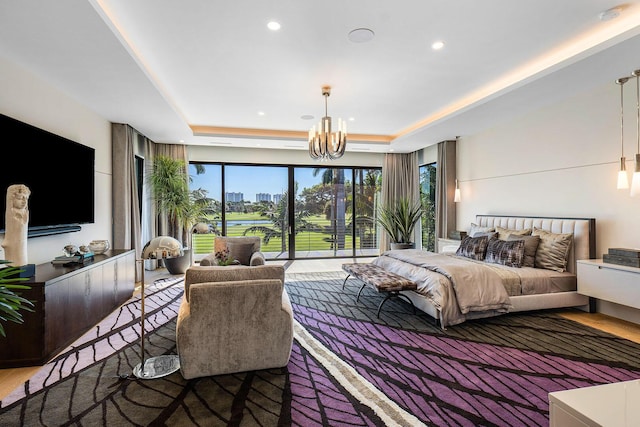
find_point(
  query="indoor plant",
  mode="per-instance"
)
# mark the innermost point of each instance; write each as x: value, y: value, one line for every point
x: 399, y: 220
x: 169, y: 183
x: 10, y: 302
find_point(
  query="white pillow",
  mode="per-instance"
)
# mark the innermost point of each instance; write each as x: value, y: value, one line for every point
x: 475, y: 228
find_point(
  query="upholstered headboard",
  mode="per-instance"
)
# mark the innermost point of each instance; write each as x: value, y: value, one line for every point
x: 583, y: 229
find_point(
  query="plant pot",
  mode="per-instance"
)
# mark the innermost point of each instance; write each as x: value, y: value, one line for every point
x: 178, y: 265
x: 403, y: 245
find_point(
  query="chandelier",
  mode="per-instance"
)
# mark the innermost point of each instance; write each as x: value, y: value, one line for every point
x: 323, y: 144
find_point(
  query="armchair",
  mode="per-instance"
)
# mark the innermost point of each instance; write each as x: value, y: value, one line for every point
x: 233, y: 319
x: 245, y: 249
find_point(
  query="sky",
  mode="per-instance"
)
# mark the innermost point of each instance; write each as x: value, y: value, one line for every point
x: 250, y: 180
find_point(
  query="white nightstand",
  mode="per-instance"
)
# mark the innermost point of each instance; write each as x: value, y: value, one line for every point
x: 447, y: 245
x: 609, y: 282
x: 614, y: 405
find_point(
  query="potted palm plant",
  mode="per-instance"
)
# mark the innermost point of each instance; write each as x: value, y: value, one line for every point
x: 169, y: 183
x: 399, y: 220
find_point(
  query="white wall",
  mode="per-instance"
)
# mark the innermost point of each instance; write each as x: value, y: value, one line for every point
x: 560, y: 160
x: 32, y: 100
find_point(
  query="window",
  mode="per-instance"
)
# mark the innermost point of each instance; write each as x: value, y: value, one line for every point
x: 330, y: 217
x: 256, y: 204
x: 428, y: 200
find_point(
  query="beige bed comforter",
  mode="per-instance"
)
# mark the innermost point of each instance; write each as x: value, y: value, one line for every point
x: 458, y: 287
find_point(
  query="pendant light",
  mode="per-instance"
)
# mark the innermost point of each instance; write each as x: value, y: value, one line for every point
x: 456, y: 194
x: 623, y: 179
x: 323, y: 143
x: 635, y: 182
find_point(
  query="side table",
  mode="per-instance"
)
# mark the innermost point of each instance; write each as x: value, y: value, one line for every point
x: 447, y: 245
x: 607, y: 405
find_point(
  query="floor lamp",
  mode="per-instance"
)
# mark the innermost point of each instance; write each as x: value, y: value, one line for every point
x: 162, y: 247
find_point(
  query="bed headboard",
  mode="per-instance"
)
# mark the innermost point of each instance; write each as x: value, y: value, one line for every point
x: 583, y: 229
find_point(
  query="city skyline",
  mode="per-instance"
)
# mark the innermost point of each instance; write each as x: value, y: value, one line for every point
x: 263, y: 179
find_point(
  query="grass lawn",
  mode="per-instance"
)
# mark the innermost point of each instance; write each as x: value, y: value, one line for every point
x: 305, y: 240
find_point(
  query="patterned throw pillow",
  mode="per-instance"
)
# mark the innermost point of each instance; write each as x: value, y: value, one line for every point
x: 553, y: 250
x: 503, y: 233
x: 509, y: 253
x: 530, y: 248
x: 473, y: 247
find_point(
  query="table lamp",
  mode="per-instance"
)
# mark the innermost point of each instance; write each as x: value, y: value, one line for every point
x: 161, y: 247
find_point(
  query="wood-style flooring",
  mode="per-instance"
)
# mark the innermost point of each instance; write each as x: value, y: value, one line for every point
x: 10, y: 379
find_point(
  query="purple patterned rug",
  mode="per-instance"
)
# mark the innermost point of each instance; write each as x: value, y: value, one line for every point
x: 348, y: 368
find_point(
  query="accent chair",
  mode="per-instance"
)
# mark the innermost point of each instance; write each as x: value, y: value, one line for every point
x: 244, y: 249
x: 233, y: 319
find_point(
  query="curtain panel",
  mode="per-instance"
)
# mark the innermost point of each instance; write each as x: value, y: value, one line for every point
x: 126, y: 207
x: 445, y: 189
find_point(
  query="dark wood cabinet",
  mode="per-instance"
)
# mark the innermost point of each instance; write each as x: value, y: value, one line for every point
x: 68, y: 302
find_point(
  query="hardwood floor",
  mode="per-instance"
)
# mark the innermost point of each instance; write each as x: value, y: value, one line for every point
x: 10, y: 379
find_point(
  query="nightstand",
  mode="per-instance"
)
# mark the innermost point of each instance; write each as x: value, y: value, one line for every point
x: 447, y: 245
x: 609, y: 282
x: 602, y: 405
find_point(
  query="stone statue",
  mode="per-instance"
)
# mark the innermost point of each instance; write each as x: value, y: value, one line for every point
x: 16, y: 225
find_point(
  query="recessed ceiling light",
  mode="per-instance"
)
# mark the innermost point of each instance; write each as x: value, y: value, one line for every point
x: 352, y: 119
x: 261, y: 113
x: 610, y: 14
x: 391, y: 149
x: 361, y: 35
x: 437, y: 45
x: 273, y: 26
x: 306, y: 117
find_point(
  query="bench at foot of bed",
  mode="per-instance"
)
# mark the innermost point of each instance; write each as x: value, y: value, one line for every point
x: 381, y: 280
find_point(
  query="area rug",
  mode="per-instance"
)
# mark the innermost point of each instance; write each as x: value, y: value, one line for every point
x: 347, y: 367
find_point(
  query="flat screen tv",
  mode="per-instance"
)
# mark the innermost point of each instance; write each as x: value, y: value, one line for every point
x: 59, y: 172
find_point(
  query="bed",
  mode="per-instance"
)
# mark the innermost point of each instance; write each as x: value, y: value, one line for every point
x: 506, y: 278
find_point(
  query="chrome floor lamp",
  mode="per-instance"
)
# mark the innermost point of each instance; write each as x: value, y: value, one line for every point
x: 162, y: 247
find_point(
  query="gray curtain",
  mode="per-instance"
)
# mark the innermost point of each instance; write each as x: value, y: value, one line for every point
x: 126, y: 207
x: 400, y: 179
x: 445, y: 189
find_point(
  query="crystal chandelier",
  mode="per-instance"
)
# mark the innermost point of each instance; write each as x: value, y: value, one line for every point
x: 323, y: 144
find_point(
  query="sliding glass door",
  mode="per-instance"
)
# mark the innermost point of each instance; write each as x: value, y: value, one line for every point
x: 366, y: 199
x: 321, y: 204
x: 205, y: 185
x: 256, y: 204
x: 332, y: 210
x: 428, y: 199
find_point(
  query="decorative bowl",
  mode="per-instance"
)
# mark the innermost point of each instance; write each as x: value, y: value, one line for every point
x: 99, y: 246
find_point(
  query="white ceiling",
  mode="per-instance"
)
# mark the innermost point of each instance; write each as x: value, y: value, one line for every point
x: 164, y: 66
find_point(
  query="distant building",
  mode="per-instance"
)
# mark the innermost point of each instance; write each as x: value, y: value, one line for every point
x: 277, y: 198
x: 234, y: 197
x: 263, y: 197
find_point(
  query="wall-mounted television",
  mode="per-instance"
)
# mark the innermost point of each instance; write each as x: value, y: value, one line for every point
x: 59, y: 172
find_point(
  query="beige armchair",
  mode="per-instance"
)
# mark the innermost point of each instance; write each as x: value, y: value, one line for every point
x: 244, y: 249
x: 233, y: 319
